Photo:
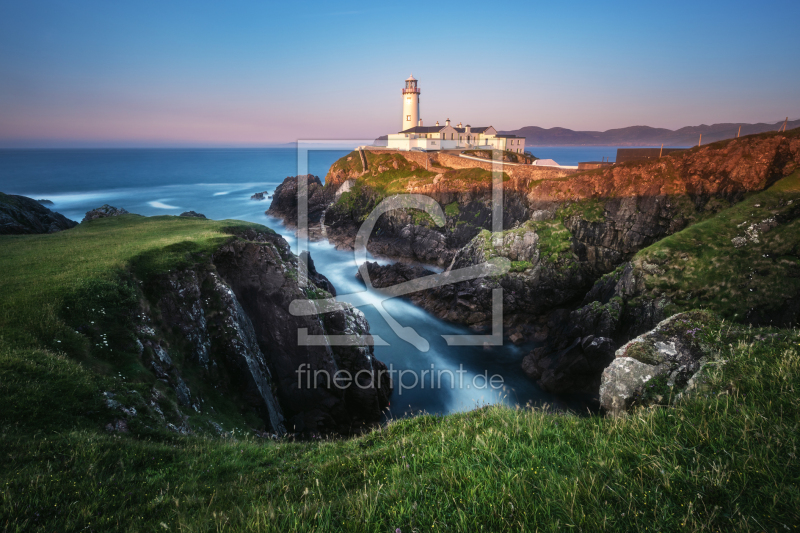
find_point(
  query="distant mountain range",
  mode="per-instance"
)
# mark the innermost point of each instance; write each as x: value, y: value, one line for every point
x: 641, y: 135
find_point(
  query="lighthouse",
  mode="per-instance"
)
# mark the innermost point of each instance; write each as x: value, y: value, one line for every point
x: 410, y: 104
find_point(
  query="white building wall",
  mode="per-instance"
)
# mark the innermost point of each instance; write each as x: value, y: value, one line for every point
x: 410, y: 110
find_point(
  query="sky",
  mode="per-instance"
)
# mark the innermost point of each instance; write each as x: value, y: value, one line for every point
x: 251, y: 73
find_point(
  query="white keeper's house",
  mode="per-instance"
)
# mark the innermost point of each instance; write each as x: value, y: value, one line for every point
x: 415, y: 136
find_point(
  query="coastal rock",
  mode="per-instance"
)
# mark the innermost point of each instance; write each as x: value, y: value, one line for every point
x: 23, y: 215
x: 192, y: 214
x: 318, y: 279
x: 104, y: 211
x: 261, y: 196
x: 672, y: 351
x: 382, y: 276
x: 284, y: 200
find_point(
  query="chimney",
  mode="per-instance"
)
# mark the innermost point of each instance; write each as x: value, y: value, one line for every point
x: 437, y: 122
x: 468, y: 127
x: 459, y: 124
x: 420, y: 123
x: 447, y: 122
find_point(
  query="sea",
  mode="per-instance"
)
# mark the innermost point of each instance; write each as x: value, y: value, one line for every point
x: 219, y: 183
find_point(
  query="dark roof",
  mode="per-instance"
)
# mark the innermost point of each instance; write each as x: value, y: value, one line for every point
x: 508, y: 136
x: 424, y: 129
x: 437, y: 129
x: 476, y: 129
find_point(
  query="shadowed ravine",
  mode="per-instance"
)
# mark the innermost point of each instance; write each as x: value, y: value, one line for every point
x: 340, y: 268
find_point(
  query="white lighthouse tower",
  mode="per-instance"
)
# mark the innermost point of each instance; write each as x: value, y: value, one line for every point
x: 410, y: 104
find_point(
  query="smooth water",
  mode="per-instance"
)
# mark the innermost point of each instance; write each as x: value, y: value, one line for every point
x: 572, y: 155
x: 219, y: 183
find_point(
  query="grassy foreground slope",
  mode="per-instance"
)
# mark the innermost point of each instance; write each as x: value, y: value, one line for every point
x: 725, y: 459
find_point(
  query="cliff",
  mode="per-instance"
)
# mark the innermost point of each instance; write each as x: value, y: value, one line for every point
x: 562, y: 234
x: 185, y: 327
x: 23, y: 215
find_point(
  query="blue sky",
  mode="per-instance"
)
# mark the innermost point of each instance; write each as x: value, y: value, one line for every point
x: 91, y: 73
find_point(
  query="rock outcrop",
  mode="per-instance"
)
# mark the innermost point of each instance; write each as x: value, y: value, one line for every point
x: 192, y: 214
x: 231, y: 317
x: 23, y: 215
x: 104, y: 211
x: 284, y: 200
x: 657, y: 366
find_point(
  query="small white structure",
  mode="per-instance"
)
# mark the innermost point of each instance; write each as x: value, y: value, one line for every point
x: 415, y: 136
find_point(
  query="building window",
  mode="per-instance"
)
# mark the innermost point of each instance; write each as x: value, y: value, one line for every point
x: 452, y: 136
x: 408, y: 117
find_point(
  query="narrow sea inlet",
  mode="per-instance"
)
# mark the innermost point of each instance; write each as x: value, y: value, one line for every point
x: 219, y: 184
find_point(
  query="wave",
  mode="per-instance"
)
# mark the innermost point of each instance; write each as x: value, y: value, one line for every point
x: 160, y: 205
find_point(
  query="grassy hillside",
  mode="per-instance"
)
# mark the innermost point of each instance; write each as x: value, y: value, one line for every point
x: 746, y: 257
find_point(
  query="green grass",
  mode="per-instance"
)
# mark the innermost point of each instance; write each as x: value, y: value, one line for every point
x: 507, y: 155
x: 554, y: 242
x: 40, y: 271
x: 700, y: 267
x: 591, y: 210
x: 452, y: 209
x: 724, y: 460
x: 520, y: 266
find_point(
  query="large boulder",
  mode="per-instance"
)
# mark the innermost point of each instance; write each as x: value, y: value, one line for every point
x: 23, y: 215
x: 104, y: 211
x: 656, y: 365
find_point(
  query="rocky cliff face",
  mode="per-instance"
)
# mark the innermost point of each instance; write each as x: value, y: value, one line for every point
x: 23, y: 215
x: 569, y: 238
x: 226, y: 324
